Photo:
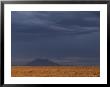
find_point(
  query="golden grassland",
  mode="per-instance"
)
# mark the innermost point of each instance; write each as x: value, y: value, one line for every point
x: 55, y: 71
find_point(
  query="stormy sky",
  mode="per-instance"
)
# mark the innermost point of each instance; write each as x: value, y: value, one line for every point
x: 65, y: 37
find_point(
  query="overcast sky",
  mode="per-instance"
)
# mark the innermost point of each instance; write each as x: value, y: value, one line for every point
x: 65, y: 37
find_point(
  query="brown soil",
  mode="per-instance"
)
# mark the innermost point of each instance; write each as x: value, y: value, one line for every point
x: 55, y: 71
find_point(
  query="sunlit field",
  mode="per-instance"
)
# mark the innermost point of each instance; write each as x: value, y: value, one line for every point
x: 55, y: 71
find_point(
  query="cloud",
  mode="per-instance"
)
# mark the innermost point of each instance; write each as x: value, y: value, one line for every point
x: 59, y: 23
x: 55, y: 34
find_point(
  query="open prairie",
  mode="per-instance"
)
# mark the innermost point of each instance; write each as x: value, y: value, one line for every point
x: 55, y: 71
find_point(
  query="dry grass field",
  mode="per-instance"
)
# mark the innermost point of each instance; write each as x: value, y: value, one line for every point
x: 55, y: 71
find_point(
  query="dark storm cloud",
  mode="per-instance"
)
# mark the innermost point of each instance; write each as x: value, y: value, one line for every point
x: 54, y: 22
x: 55, y: 35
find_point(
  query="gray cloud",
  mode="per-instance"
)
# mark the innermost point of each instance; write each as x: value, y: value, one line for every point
x: 54, y: 21
x: 56, y: 35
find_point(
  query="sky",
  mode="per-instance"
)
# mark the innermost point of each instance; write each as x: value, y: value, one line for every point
x: 64, y: 37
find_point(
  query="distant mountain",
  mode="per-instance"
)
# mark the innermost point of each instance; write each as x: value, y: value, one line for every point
x: 42, y: 62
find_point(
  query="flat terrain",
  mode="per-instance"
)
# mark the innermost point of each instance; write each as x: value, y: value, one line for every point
x: 55, y: 71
